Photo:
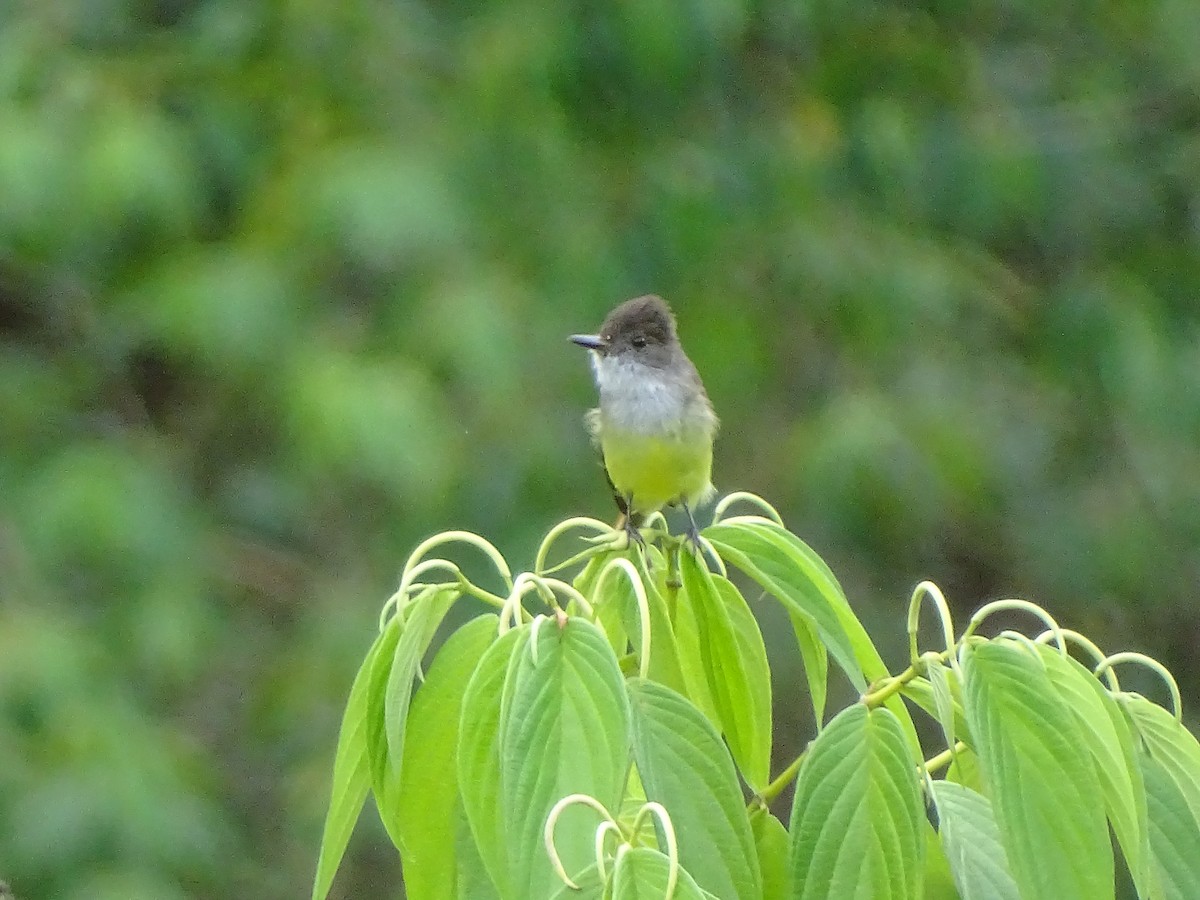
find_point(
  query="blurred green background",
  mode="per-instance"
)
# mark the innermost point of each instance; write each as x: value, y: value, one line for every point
x: 285, y: 285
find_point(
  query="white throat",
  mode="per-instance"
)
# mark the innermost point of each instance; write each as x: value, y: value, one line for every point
x: 642, y: 399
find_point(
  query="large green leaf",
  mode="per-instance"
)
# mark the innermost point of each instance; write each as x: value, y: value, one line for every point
x: 619, y: 593
x: 774, y: 849
x: 588, y: 886
x: 422, y: 618
x: 665, y: 667
x: 971, y: 841
x: 351, y: 778
x: 1174, y: 832
x: 964, y: 770
x: 752, y: 652
x: 939, y: 881
x: 479, y: 757
x: 940, y: 677
x: 643, y: 874
x: 857, y: 817
x: 609, y: 604
x: 390, y: 694
x: 685, y: 767
x: 788, y: 569
x: 1170, y: 761
x: 692, y: 655
x: 427, y: 805
x: 472, y: 881
x: 1040, y: 777
x: 564, y: 731
x: 735, y: 666
x: 382, y: 784
x: 921, y: 691
x: 815, y: 657
x: 1109, y: 739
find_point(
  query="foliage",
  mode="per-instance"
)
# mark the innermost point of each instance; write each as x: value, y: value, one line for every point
x: 284, y: 287
x: 548, y: 757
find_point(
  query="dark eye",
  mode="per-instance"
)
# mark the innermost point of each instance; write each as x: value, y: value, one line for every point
x: 638, y: 341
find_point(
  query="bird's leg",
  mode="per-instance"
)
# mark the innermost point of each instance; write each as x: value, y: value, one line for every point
x: 622, y: 503
x: 629, y: 519
x: 693, y: 533
x: 633, y: 521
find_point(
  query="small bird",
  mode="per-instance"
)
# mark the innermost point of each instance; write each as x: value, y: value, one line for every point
x: 655, y: 424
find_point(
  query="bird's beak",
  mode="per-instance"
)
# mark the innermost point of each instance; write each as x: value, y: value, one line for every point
x: 591, y: 341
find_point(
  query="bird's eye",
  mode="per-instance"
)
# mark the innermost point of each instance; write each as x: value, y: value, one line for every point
x: 638, y: 341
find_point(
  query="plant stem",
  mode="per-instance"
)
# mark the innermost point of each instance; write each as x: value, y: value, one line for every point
x: 890, y: 686
x: 943, y: 759
x: 776, y: 787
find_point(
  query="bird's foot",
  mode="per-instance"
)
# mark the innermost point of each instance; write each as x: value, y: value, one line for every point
x: 633, y: 533
x: 632, y: 523
x: 692, y: 534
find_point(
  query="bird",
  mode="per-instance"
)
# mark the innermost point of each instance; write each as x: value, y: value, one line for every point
x: 655, y: 425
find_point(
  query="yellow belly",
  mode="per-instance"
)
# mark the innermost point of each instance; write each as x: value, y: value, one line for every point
x: 657, y: 471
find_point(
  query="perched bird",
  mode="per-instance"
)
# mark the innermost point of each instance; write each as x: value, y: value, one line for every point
x: 655, y: 425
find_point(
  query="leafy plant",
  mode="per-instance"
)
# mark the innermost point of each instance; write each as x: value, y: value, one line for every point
x: 619, y: 743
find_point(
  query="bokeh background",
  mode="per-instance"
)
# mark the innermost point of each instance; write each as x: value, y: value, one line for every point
x: 285, y: 285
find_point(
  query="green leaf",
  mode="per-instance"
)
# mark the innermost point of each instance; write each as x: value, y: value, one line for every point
x: 943, y: 699
x: 665, y: 667
x: 351, y: 778
x: 589, y: 886
x: 692, y: 655
x: 427, y: 805
x: 422, y: 618
x: 774, y: 849
x: 1109, y: 739
x: 1170, y: 761
x: 611, y: 615
x: 752, y: 653
x: 857, y: 817
x: 971, y: 842
x: 939, y: 882
x: 786, y: 568
x: 390, y: 693
x: 920, y: 691
x: 664, y: 651
x: 377, y: 746
x: 1174, y: 833
x: 685, y: 767
x: 815, y: 657
x: 565, y: 731
x: 479, y: 756
x: 1042, y: 782
x: 472, y: 881
x: 735, y: 665
x: 609, y: 605
x: 964, y: 770
x: 643, y: 874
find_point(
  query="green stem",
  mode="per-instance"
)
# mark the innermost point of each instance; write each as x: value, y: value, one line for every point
x: 583, y: 556
x: 943, y: 759
x: 479, y: 593
x: 776, y: 787
x: 889, y: 687
x: 896, y: 683
x: 672, y: 584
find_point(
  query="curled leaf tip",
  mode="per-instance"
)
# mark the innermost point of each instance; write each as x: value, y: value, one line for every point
x: 1153, y: 665
x: 556, y: 862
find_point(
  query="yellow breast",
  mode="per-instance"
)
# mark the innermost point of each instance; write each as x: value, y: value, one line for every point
x: 656, y: 471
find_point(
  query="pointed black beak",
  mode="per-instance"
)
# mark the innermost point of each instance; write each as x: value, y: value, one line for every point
x: 591, y: 341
